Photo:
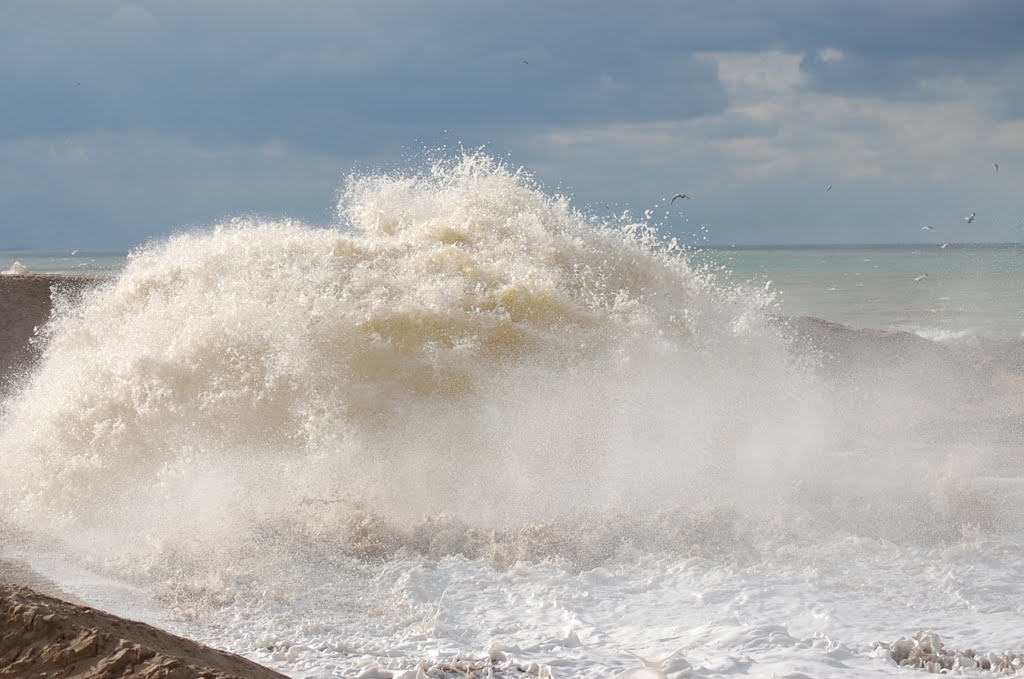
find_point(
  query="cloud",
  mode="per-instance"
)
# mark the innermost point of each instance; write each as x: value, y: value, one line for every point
x: 887, y: 48
x: 771, y: 153
x: 234, y: 72
x: 757, y: 76
x: 829, y: 55
x: 106, y: 191
x: 236, y: 104
x: 218, y: 76
x: 131, y: 17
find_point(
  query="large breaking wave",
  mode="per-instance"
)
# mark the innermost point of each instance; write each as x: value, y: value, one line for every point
x: 464, y: 364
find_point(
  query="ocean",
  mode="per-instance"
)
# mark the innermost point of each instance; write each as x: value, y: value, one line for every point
x: 476, y: 430
x: 936, y: 290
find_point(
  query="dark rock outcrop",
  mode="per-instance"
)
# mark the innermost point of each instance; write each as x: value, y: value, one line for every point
x: 43, y: 637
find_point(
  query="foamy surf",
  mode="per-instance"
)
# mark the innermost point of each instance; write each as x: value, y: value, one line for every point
x: 473, y: 424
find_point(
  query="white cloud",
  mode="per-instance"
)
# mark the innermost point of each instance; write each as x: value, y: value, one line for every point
x: 606, y: 82
x: 130, y: 17
x: 69, y: 151
x: 776, y: 137
x: 754, y: 75
x: 794, y: 132
x: 830, y: 54
x: 274, y: 148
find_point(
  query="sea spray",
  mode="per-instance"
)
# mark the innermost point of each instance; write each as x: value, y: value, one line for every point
x: 472, y: 426
x: 464, y: 364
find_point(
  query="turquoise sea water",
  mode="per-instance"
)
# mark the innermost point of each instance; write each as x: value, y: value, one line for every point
x: 938, y: 293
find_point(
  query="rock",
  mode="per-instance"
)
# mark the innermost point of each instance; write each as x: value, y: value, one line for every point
x: 43, y: 637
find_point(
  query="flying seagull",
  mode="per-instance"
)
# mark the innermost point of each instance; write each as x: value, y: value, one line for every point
x: 828, y: 188
x: 921, y: 278
x: 944, y: 246
x: 969, y: 218
x: 996, y: 165
x: 677, y: 197
x: 927, y: 228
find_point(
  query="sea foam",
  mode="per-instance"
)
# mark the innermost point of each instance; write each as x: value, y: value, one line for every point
x: 463, y: 364
x: 470, y: 415
x: 460, y: 343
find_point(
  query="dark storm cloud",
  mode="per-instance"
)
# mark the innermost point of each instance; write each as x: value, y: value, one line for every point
x: 889, y: 47
x: 235, y: 72
x: 229, y: 74
x: 240, y: 65
x: 948, y: 29
x: 186, y: 110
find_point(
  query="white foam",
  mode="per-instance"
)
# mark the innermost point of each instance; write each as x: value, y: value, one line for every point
x: 943, y: 334
x: 463, y: 323
x: 16, y: 269
x: 471, y: 427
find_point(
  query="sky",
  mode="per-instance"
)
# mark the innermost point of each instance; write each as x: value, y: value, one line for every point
x: 123, y: 122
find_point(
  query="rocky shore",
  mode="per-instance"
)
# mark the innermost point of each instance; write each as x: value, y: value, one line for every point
x: 43, y: 637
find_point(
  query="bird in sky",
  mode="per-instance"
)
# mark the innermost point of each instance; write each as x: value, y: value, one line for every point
x: 996, y: 165
x: 677, y: 197
x: 921, y: 278
x: 927, y: 228
x: 969, y: 218
x: 944, y: 246
x: 828, y: 188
